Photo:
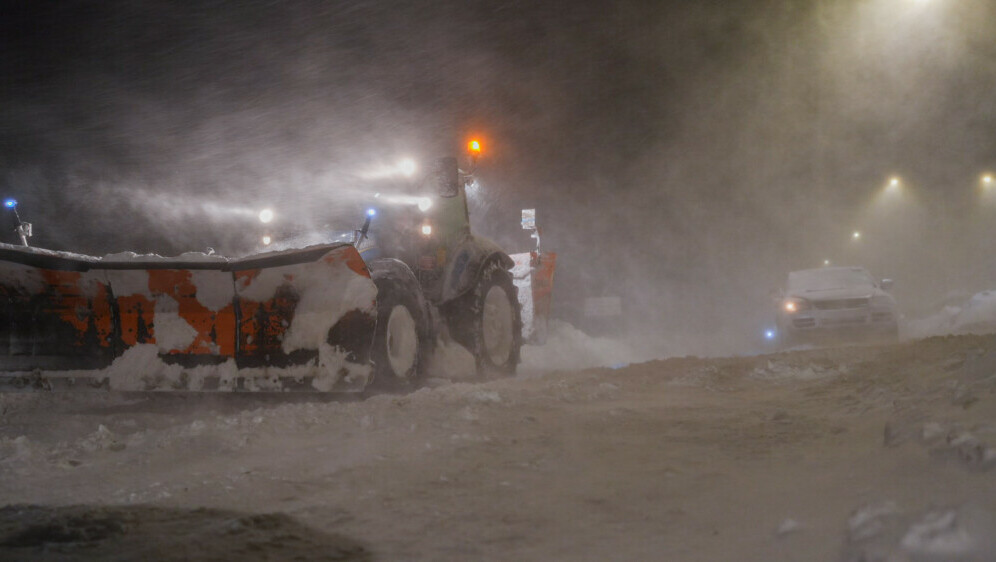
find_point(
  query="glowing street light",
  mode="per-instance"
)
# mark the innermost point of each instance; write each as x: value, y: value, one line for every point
x: 893, y: 187
x: 856, y: 235
x: 407, y: 167
x: 826, y: 262
x: 987, y: 181
x: 266, y: 216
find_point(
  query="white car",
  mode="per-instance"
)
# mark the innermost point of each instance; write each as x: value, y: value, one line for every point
x: 835, y: 304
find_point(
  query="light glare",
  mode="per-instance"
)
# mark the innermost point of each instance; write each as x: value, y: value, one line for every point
x: 427, y: 229
x: 407, y: 167
x: 265, y: 216
x: 267, y: 240
x: 894, y: 184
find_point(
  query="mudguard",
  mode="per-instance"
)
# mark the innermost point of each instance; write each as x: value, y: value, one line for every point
x: 293, y: 320
x: 464, y: 269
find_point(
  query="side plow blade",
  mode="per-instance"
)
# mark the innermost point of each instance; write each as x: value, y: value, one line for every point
x: 294, y: 320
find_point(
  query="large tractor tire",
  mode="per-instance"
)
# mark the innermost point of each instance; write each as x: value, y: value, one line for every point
x: 403, y: 340
x: 488, y: 322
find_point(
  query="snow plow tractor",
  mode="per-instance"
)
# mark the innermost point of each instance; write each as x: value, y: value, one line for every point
x: 330, y: 317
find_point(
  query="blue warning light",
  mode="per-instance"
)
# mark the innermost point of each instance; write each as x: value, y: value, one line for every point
x: 371, y: 212
x: 10, y: 203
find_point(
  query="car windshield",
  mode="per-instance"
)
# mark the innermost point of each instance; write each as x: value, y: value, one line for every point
x: 829, y: 279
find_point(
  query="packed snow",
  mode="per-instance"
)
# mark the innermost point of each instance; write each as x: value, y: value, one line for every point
x: 976, y: 314
x: 851, y: 454
x: 568, y: 348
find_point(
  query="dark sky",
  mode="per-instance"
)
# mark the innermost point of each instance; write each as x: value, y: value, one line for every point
x: 682, y: 154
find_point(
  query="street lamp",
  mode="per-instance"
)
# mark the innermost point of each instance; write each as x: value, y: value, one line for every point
x: 893, y: 185
x: 856, y: 235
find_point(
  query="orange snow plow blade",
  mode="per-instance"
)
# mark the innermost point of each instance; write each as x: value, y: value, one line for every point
x: 533, y: 276
x: 294, y: 320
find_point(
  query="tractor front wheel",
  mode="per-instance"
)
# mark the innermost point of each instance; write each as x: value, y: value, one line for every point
x: 402, y: 341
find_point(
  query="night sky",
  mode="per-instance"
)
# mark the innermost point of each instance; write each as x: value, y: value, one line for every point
x: 682, y: 155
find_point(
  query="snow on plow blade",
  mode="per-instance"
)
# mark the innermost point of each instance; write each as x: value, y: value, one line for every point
x: 294, y: 320
x: 533, y: 276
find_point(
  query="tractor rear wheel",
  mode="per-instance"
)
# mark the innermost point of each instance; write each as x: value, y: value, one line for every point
x: 487, y: 321
x: 402, y: 343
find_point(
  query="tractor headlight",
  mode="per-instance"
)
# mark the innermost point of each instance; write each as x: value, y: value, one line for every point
x: 795, y: 305
x: 407, y: 167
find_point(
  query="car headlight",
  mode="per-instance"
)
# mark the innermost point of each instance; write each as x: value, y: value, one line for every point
x: 795, y: 305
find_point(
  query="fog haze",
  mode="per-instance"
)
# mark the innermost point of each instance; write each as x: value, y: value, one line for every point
x: 683, y: 156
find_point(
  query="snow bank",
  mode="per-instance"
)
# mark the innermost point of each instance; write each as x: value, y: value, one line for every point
x: 778, y: 371
x: 50, y: 253
x: 979, y: 315
x: 128, y: 257
x: 886, y: 532
x: 976, y: 315
x: 567, y: 347
x: 452, y: 361
x: 140, y: 368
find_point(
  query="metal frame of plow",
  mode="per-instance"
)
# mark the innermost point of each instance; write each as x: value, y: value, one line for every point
x: 293, y: 320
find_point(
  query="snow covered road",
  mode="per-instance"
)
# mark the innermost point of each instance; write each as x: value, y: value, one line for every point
x: 877, y: 453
